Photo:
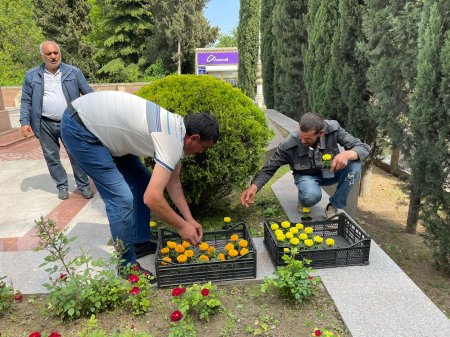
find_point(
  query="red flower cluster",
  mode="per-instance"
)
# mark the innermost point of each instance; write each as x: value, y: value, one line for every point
x: 205, y: 292
x: 178, y: 291
x: 133, y: 278
x: 135, y: 290
x: 18, y: 296
x: 317, y: 332
x: 63, y: 276
x: 176, y: 316
x: 135, y: 267
x: 38, y: 334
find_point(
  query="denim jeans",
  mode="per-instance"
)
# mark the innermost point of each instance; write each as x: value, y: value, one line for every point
x: 49, y: 139
x: 120, y: 181
x: 309, y: 192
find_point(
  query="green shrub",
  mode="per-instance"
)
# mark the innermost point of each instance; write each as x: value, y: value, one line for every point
x: 244, y: 133
x: 92, y: 330
x: 6, y: 296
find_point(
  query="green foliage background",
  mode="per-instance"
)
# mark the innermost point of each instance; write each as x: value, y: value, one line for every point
x: 243, y: 133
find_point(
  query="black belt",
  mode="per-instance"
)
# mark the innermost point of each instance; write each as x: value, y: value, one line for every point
x: 74, y: 115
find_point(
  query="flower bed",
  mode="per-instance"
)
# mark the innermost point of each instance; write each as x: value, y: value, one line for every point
x: 213, y: 260
x: 335, y: 242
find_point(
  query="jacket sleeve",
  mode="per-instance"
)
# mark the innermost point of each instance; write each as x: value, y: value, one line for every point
x: 349, y: 142
x: 279, y: 158
x: 83, y: 85
x: 25, y: 102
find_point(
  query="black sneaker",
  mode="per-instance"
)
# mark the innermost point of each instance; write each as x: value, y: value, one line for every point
x: 145, y: 248
x: 331, y: 211
x: 126, y: 272
x: 86, y: 192
x: 63, y: 193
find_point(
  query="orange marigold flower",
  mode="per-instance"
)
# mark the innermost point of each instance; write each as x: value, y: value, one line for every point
x: 171, y: 244
x: 229, y: 246
x: 166, y: 258
x: 181, y: 258
x: 203, y: 258
x: 233, y: 252
x: 221, y: 257
x: 243, y: 243
x: 243, y: 251
x: 234, y: 237
x: 165, y: 250
x: 189, y: 253
x: 179, y: 249
x: 186, y: 244
x: 211, y: 250
x: 203, y: 246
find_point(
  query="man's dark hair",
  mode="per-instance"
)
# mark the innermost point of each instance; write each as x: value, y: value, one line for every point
x: 202, y: 124
x: 311, y: 121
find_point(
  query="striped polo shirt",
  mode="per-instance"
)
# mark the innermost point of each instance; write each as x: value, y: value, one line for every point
x: 128, y: 124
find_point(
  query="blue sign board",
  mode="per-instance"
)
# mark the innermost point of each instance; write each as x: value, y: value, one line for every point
x: 201, y: 70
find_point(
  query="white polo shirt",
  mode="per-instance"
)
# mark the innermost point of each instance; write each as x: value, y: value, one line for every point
x: 128, y: 124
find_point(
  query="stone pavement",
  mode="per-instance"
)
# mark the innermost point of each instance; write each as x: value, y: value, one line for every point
x: 377, y: 300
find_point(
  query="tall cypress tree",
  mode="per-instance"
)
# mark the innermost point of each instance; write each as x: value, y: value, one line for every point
x: 289, y: 29
x: 267, y: 51
x: 68, y: 23
x: 248, y: 43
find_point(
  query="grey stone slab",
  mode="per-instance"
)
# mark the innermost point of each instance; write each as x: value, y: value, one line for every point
x: 285, y: 122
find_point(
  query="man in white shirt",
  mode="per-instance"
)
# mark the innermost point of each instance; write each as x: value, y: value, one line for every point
x: 107, y: 132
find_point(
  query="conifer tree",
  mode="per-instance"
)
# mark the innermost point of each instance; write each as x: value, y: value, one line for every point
x: 267, y: 51
x: 248, y: 44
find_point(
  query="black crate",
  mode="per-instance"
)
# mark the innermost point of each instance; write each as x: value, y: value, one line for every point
x: 352, y: 243
x: 174, y: 274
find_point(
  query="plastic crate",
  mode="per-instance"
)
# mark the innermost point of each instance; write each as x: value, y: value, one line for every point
x: 174, y: 274
x: 352, y: 243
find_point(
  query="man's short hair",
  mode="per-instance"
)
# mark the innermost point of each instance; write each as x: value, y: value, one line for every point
x: 202, y: 124
x: 41, y: 46
x: 311, y: 121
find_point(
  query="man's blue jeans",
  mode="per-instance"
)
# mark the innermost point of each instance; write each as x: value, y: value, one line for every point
x: 309, y: 192
x: 49, y: 139
x: 120, y: 181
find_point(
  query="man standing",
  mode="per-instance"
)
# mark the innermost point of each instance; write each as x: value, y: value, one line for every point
x: 304, y: 152
x: 107, y: 132
x: 46, y: 91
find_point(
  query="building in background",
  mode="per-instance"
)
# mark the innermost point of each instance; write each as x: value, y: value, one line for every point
x: 218, y: 62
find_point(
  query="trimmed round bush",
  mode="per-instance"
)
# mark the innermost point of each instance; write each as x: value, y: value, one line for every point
x: 244, y: 133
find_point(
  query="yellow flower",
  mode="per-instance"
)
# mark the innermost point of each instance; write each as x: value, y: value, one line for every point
x: 229, y: 246
x: 299, y: 225
x: 182, y: 258
x: 203, y: 246
x: 221, y: 257
x: 171, y: 244
x: 309, y: 243
x: 303, y: 236
x: 227, y: 219
x: 326, y: 157
x: 203, y: 258
x: 189, y: 253
x: 329, y: 242
x: 286, y: 250
x: 285, y: 224
x: 293, y: 230
x: 309, y: 230
x: 167, y: 259
x: 289, y: 235
x: 179, y: 249
x: 165, y: 250
x: 233, y: 252
x: 211, y: 250
x: 186, y: 244
x: 294, y: 241
x: 152, y: 224
x: 281, y: 237
x: 306, y: 210
x: 274, y: 226
x: 243, y: 243
x: 278, y: 232
x: 243, y: 251
x: 318, y: 239
x: 234, y: 237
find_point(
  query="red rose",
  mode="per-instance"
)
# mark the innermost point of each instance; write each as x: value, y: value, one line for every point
x: 63, y: 276
x: 135, y: 267
x: 54, y: 334
x: 317, y: 332
x: 176, y: 316
x: 133, y: 278
x: 205, y: 292
x: 135, y: 290
x: 178, y: 291
x: 35, y: 334
x: 18, y: 296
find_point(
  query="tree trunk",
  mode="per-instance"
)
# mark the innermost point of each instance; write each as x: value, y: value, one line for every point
x: 366, y: 174
x: 413, y: 212
x: 179, y: 57
x: 395, y: 157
